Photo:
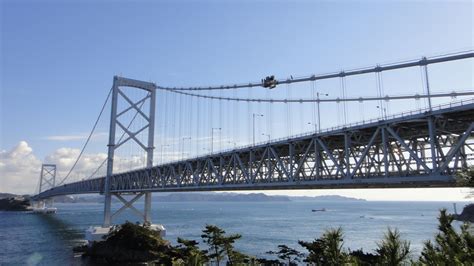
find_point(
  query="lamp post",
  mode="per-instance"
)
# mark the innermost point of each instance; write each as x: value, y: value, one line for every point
x: 253, y: 125
x: 212, y: 137
x: 182, y: 143
x: 384, y: 111
x: 161, y: 151
x: 315, y: 126
x: 319, y: 113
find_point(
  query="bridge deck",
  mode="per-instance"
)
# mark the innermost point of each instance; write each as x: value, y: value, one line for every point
x: 418, y: 150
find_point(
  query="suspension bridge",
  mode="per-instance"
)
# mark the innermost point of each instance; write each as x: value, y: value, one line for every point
x: 210, y: 138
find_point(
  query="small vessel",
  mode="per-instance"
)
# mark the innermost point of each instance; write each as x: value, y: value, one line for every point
x: 45, y: 210
x: 319, y: 210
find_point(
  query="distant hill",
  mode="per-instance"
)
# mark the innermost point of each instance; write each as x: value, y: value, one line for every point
x: 178, y: 197
x: 7, y: 195
x: 212, y: 196
x: 219, y: 197
x: 207, y: 196
x: 326, y: 198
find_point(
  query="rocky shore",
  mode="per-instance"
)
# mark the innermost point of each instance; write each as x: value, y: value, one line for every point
x: 129, y: 243
x: 17, y: 203
x: 467, y: 214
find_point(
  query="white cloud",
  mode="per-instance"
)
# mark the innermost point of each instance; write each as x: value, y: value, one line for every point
x: 64, y: 159
x: 75, y: 137
x: 19, y: 169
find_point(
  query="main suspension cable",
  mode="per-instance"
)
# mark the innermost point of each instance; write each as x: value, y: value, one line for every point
x: 88, y: 138
x: 337, y: 100
x: 358, y: 71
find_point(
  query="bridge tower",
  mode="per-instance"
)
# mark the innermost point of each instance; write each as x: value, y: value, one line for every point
x: 145, y: 103
x: 47, y: 181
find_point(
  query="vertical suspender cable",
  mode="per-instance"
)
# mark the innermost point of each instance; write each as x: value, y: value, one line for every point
x: 198, y: 117
x: 88, y: 138
x: 211, y: 121
x: 382, y: 90
x: 344, y: 104
x: 268, y: 114
x: 423, y: 86
x: 313, y: 95
x: 379, y: 93
x: 174, y: 134
x: 288, y: 111
x: 236, y: 119
x: 249, y: 116
x: 220, y: 121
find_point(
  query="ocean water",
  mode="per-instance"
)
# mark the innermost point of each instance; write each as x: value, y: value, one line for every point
x: 33, y: 239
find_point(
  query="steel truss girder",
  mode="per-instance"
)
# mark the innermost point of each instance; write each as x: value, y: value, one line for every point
x: 420, y: 150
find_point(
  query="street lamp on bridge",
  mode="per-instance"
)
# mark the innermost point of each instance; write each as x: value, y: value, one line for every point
x: 319, y: 110
x: 315, y: 126
x: 268, y: 136
x: 182, y: 143
x: 384, y: 111
x: 212, y: 137
x: 161, y: 151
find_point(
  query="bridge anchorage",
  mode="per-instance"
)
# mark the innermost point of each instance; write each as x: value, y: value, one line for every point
x: 424, y: 148
x: 47, y: 181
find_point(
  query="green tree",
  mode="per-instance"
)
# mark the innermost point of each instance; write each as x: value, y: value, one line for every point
x: 466, y: 179
x: 360, y: 258
x: 392, y: 250
x: 189, y: 252
x: 327, y: 250
x: 287, y: 254
x: 219, y: 244
x: 238, y: 258
x: 450, y: 247
x: 233, y: 256
x: 132, y: 243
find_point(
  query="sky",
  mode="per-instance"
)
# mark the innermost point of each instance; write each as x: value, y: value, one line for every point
x: 58, y: 60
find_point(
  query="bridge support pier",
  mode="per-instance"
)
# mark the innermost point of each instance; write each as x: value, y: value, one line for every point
x: 147, y: 216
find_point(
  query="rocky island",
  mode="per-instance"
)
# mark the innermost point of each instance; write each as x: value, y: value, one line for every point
x: 129, y: 243
x: 467, y: 214
x: 14, y: 204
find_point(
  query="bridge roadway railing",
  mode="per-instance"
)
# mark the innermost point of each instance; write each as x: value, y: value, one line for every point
x: 358, y: 123
x: 424, y: 149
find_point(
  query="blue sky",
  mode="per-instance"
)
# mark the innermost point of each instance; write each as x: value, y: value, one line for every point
x: 58, y: 58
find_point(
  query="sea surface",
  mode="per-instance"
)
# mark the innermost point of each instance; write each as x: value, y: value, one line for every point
x: 34, y: 239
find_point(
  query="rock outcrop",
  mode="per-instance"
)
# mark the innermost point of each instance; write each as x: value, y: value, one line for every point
x: 14, y: 204
x: 467, y: 214
x: 130, y: 243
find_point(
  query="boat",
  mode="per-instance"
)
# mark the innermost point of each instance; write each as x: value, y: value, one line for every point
x: 45, y: 210
x: 319, y: 210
